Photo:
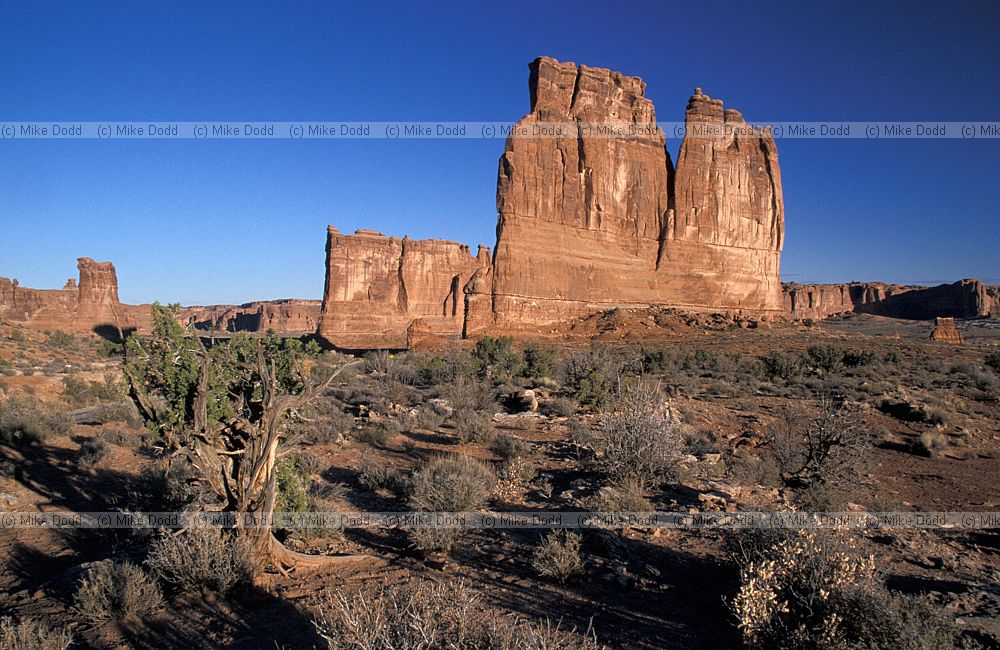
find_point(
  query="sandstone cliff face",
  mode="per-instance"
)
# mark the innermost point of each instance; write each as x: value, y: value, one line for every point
x: 376, y: 285
x: 85, y: 307
x: 724, y: 237
x: 587, y: 223
x: 580, y: 218
x: 963, y: 299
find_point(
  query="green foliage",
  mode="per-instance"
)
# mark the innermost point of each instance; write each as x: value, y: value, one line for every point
x: 168, y: 365
x: 293, y: 487
x: 592, y: 375
x: 657, y: 361
x: 775, y: 366
x: 60, y: 339
x: 498, y: 359
x: 539, y: 360
x: 109, y: 349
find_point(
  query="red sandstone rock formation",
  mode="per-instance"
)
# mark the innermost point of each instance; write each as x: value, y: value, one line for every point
x: 85, y: 307
x: 287, y: 317
x: 587, y: 222
x: 962, y: 299
x: 376, y: 285
x: 945, y: 331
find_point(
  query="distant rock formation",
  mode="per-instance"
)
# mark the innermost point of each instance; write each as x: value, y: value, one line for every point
x: 588, y: 221
x: 945, y: 331
x: 963, y: 299
x: 377, y: 285
x: 87, y: 306
x: 290, y: 317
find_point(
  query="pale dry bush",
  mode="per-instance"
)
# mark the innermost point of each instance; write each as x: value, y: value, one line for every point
x: 202, y: 558
x: 558, y: 556
x: 786, y: 596
x: 831, y: 447
x: 452, y: 484
x: 448, y: 484
x: 28, y: 634
x: 642, y: 439
x: 116, y: 591
x: 431, y: 616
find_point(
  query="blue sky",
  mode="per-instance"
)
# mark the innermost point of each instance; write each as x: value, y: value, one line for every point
x: 231, y: 221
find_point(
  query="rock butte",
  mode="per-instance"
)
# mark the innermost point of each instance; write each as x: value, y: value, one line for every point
x: 945, y: 331
x: 585, y: 224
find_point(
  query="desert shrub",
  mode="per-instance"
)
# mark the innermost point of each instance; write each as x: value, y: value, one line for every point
x: 641, y: 436
x: 558, y: 556
x: 472, y: 425
x: 539, y: 360
x: 431, y: 615
x: 59, y: 339
x: 112, y: 591
x: 329, y: 424
x: 120, y: 436
x: 108, y: 349
x: 24, y: 420
x: 657, y: 362
x: 174, y: 488
x: 120, y: 412
x: 776, y: 366
x: 379, y: 433
x: 562, y: 407
x: 311, y: 464
x: 871, y: 617
x: 451, y: 484
x: 374, y: 475
x: 825, y: 357
x: 92, y: 452
x: 28, y: 634
x: 448, y: 484
x: 202, y: 558
x: 507, y: 447
x: 746, y: 546
x: 513, y: 477
x: 78, y: 392
x: 592, y: 375
x: 786, y: 599
x: 472, y: 396
x: 930, y: 443
x: 752, y: 469
x: 498, y: 359
x: 627, y: 494
x: 831, y: 447
x: 292, y: 487
x: 993, y: 361
x: 437, y: 369
x: 427, y: 418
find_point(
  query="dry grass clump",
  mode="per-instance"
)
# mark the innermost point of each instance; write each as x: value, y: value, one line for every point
x: 642, y: 437
x: 509, y: 447
x: 448, y: 484
x: 376, y: 476
x: 25, y: 420
x: 428, y: 616
x: 28, y: 634
x: 558, y: 556
x: 930, y: 443
x: 112, y: 591
x: 474, y: 426
x: 202, y: 558
x: 92, y: 452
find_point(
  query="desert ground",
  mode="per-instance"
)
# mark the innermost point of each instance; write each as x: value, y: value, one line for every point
x: 537, y: 417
